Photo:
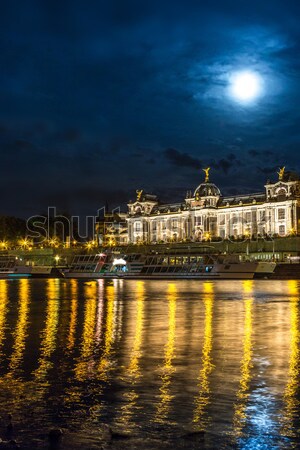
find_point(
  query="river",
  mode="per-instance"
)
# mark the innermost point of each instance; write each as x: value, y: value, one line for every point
x: 152, y: 364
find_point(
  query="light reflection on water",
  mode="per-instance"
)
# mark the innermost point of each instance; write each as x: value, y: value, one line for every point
x: 153, y: 358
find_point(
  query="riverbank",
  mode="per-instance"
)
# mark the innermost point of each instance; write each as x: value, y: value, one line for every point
x: 280, y: 249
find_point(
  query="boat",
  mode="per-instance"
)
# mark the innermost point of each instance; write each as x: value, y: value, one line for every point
x: 167, y: 266
x: 11, y: 267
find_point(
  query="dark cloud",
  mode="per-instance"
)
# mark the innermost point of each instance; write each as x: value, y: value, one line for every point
x: 268, y: 170
x: 90, y: 95
x: 181, y: 159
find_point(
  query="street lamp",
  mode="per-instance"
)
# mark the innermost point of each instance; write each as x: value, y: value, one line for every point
x: 207, y: 236
x: 247, y: 236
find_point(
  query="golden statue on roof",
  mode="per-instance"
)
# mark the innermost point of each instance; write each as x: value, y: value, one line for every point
x: 139, y: 194
x: 206, y: 171
x: 281, y: 173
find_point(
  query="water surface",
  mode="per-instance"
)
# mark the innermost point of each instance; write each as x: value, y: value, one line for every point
x: 153, y: 364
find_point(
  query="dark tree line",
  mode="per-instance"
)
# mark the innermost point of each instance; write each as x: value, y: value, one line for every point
x: 12, y: 228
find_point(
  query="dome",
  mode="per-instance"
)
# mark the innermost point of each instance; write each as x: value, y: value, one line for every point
x: 207, y: 190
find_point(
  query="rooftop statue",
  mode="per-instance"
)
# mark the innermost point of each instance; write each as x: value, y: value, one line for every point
x: 281, y: 173
x: 206, y: 174
x: 139, y: 194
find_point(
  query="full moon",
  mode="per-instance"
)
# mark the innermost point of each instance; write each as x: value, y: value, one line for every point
x: 245, y: 86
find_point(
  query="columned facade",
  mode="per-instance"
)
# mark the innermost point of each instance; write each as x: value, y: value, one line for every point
x: 206, y: 214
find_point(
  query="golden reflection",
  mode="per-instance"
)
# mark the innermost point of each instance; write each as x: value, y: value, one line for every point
x: 49, y: 333
x: 21, y: 327
x: 168, y: 368
x: 291, y: 393
x: 73, y: 318
x: 87, y: 346
x: 203, y: 398
x: 246, y: 363
x: 133, y: 370
x: 3, y: 310
x: 99, y: 324
x: 104, y: 362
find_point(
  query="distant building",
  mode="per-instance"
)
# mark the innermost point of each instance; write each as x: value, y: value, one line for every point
x: 111, y: 230
x: 206, y: 214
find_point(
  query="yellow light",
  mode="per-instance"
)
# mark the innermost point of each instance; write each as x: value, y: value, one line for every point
x: 3, y: 310
x: 246, y: 362
x: 168, y: 367
x: 133, y: 370
x: 57, y: 258
x: 73, y: 318
x: 203, y: 399
x: 4, y: 245
x: 291, y: 401
x: 104, y: 363
x: 49, y: 334
x: 207, y: 236
x: 25, y: 243
x: 20, y: 332
x: 85, y: 364
x: 53, y: 242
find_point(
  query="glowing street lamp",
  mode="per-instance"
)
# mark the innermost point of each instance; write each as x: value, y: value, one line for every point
x: 53, y: 242
x: 4, y: 245
x: 57, y: 258
x: 25, y: 243
x: 89, y: 245
x: 292, y: 231
x: 207, y: 236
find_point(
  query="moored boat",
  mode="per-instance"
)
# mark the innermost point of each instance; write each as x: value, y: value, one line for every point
x: 11, y: 267
x: 167, y: 266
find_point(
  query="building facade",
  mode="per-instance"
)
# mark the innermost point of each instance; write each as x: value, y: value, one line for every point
x: 111, y: 230
x: 205, y: 214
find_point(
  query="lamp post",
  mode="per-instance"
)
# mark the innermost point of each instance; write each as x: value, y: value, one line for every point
x: 247, y: 235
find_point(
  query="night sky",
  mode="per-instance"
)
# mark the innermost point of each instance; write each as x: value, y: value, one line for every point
x: 98, y: 99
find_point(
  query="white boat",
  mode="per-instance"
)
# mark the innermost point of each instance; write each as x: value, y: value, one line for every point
x: 11, y: 267
x: 167, y: 266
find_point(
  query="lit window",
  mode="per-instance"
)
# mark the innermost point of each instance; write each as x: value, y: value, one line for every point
x: 281, y: 230
x: 281, y: 214
x: 262, y: 215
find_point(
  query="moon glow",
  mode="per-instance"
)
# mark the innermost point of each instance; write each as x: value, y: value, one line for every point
x: 246, y: 86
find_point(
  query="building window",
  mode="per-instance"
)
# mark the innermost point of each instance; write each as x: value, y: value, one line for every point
x: 248, y: 217
x: 222, y: 219
x: 262, y: 216
x: 138, y: 226
x: 198, y: 221
x: 281, y: 214
x: 174, y: 224
x: 281, y: 230
x: 154, y: 226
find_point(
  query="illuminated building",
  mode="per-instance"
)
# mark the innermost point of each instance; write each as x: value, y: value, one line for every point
x: 111, y: 230
x: 206, y: 214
